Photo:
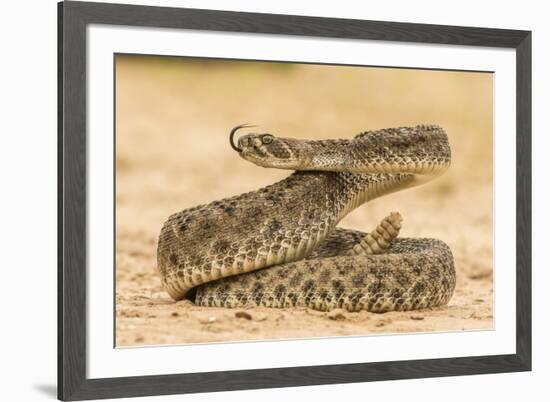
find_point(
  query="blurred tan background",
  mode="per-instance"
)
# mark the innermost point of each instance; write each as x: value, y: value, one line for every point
x: 173, y: 116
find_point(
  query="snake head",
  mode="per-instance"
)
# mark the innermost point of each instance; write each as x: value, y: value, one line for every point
x: 266, y: 150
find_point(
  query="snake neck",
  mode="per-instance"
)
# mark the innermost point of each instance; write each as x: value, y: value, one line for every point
x: 354, y: 190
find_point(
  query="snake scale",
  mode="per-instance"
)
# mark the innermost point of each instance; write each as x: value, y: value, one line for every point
x: 280, y: 246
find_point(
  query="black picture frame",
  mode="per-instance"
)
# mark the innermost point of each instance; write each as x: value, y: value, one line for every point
x: 73, y: 18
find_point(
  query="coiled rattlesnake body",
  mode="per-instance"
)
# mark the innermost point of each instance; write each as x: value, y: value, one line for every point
x: 215, y: 254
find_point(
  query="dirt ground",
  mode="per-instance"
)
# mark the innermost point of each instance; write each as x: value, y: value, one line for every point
x: 172, y: 121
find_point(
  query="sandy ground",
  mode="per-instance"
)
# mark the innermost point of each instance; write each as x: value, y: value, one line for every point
x: 173, y: 117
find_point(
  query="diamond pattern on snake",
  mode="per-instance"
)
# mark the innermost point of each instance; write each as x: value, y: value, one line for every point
x: 280, y: 246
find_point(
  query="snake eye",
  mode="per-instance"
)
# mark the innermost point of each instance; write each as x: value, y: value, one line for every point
x: 267, y: 139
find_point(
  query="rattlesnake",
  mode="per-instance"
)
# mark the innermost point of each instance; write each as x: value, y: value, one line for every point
x: 279, y: 246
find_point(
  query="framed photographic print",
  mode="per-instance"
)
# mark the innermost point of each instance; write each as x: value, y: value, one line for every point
x: 255, y: 200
